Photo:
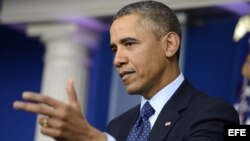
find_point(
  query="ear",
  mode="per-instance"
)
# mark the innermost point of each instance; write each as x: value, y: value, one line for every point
x: 171, y: 42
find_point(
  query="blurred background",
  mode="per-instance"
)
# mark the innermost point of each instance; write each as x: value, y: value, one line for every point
x: 43, y: 43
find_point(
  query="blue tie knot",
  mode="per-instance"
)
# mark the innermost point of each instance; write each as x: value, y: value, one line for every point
x: 147, y: 111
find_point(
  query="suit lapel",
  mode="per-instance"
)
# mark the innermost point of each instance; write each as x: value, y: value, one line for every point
x: 171, y: 112
x: 163, y: 125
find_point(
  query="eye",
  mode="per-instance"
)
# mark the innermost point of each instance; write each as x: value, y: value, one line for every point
x: 114, y: 49
x: 129, y: 44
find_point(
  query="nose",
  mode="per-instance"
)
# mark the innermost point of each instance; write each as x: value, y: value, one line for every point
x: 120, y: 58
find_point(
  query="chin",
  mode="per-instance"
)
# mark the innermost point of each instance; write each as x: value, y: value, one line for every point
x: 134, y: 87
x: 133, y: 91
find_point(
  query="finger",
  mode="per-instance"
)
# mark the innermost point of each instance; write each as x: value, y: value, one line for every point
x: 44, y: 122
x: 39, y: 98
x: 52, y: 132
x: 52, y: 122
x: 71, y: 92
x: 37, y: 108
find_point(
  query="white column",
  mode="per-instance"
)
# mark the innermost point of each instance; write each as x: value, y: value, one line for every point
x: 65, y: 58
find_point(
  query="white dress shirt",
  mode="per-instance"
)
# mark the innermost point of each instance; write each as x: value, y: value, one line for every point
x: 158, y: 100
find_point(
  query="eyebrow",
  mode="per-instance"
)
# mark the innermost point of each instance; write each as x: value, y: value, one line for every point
x: 123, y: 41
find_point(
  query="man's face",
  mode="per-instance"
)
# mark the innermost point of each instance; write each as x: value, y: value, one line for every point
x: 139, y: 57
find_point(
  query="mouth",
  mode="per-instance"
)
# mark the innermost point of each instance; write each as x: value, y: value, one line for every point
x: 125, y: 74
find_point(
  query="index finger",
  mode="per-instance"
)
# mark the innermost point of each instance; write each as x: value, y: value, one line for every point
x: 40, y: 98
x: 34, y: 108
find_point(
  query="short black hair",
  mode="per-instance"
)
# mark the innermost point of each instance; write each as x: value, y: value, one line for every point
x: 162, y: 17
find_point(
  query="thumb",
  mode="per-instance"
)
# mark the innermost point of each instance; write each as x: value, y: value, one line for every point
x: 72, y: 94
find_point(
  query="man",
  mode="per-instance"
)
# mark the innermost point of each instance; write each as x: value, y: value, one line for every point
x: 145, y: 37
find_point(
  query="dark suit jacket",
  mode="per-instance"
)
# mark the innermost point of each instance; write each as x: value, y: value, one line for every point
x: 193, y: 115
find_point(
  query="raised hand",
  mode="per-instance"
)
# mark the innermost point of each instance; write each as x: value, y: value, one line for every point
x: 60, y: 121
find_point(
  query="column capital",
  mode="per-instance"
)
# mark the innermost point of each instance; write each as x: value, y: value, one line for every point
x: 75, y: 32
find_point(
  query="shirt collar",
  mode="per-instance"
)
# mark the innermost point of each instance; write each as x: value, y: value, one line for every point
x: 162, y: 97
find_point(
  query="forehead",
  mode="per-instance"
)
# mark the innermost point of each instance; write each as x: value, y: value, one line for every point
x: 125, y: 22
x: 127, y: 26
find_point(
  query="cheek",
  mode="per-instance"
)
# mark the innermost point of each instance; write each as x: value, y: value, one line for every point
x: 144, y: 66
x: 140, y: 62
x: 147, y: 59
x: 151, y: 65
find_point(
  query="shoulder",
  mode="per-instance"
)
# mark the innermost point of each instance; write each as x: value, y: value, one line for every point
x: 203, y: 107
x: 202, y: 100
x: 205, y: 101
x: 204, y: 116
x: 126, y: 115
x: 199, y: 105
x: 125, y: 118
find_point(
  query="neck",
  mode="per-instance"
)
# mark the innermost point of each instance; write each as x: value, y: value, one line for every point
x: 168, y: 77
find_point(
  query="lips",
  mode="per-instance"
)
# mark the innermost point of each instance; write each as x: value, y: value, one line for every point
x: 125, y: 74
